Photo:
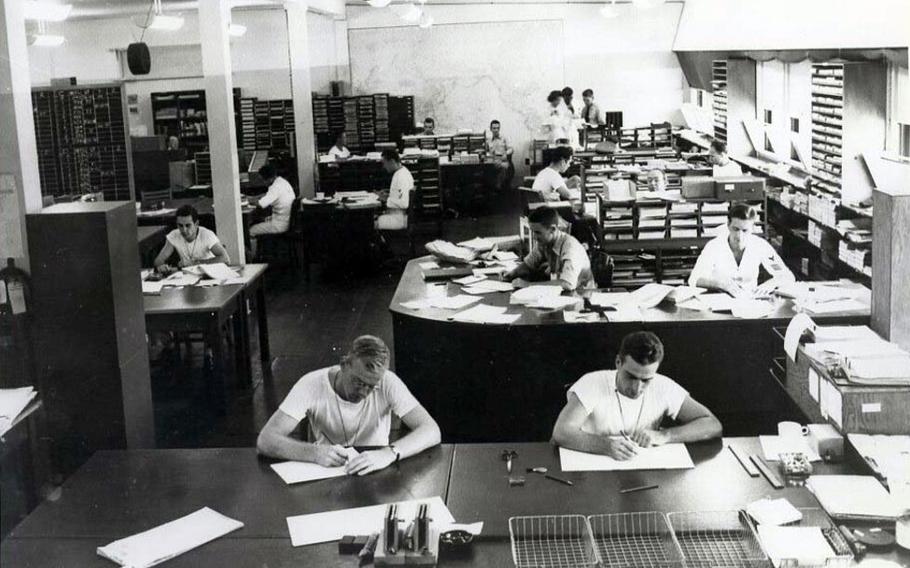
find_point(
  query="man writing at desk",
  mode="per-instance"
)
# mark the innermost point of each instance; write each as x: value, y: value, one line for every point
x: 194, y: 244
x: 350, y: 405
x: 730, y: 261
x: 558, y: 255
x: 280, y: 197
x: 398, y: 197
x: 721, y: 162
x: 618, y: 412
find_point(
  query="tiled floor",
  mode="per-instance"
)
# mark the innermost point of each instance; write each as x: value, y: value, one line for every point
x: 310, y: 325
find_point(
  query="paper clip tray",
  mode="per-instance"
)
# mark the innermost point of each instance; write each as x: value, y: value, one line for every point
x: 552, y: 541
x: 717, y: 539
x: 635, y: 540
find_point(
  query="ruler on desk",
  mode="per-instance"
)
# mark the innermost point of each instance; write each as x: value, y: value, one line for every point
x: 744, y: 461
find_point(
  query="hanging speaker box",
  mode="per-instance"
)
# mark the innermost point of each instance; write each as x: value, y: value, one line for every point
x: 138, y: 58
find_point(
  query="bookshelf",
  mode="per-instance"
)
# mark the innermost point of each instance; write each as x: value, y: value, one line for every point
x: 734, y: 84
x: 719, y: 104
x: 367, y: 120
x: 183, y: 114
x: 848, y: 118
x: 82, y: 141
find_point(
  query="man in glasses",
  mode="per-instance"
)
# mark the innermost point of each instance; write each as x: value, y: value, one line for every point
x: 618, y: 412
x: 348, y: 405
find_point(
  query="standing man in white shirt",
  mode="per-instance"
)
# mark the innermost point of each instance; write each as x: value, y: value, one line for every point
x: 280, y: 197
x: 398, y: 196
x: 723, y: 165
x: 730, y: 261
x: 559, y: 119
x: 500, y: 151
x: 591, y: 112
x: 616, y: 413
x: 339, y: 150
x: 348, y: 405
x: 193, y: 243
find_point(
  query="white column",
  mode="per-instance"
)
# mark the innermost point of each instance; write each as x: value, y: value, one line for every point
x: 301, y: 91
x: 214, y: 17
x: 20, y: 185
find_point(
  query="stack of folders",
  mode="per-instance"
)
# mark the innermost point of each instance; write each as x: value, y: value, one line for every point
x: 652, y: 220
x: 872, y: 362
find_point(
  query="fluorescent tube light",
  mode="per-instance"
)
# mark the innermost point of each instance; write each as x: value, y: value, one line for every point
x: 47, y: 11
x: 166, y: 23
x: 379, y: 3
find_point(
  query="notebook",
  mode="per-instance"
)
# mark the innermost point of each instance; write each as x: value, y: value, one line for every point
x: 859, y: 497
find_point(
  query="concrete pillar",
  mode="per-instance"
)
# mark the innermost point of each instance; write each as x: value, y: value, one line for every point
x: 20, y: 184
x: 301, y: 91
x: 214, y: 18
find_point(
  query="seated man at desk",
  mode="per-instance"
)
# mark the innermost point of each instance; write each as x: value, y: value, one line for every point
x: 731, y: 260
x: 618, y: 412
x: 550, y: 184
x: 194, y: 244
x: 350, y: 404
x: 721, y: 162
x: 280, y: 197
x: 398, y: 196
x: 558, y: 255
x: 339, y: 150
x: 429, y: 126
x: 501, y: 153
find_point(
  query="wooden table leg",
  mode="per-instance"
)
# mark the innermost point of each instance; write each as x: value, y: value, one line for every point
x: 265, y: 355
x: 242, y: 341
x: 218, y: 385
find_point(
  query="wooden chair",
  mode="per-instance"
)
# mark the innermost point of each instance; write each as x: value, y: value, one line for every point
x: 272, y: 246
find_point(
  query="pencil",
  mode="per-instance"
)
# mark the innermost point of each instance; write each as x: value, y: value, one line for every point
x: 559, y: 479
x: 639, y: 488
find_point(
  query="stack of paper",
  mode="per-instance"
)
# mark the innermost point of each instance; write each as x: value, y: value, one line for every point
x: 219, y: 271
x: 458, y: 302
x: 152, y: 288
x: 853, y: 497
x: 486, y: 314
x: 605, y: 299
x: 180, y: 279
x: 807, y: 545
x: 488, y: 286
x: 554, y: 302
x: 478, y: 244
x: 773, y: 512
x: 532, y: 293
x: 650, y: 295
x: 170, y: 539
x: 332, y: 525
x: 12, y: 403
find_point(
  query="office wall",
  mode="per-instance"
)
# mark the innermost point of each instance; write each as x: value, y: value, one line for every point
x: 260, y: 57
x: 486, y: 59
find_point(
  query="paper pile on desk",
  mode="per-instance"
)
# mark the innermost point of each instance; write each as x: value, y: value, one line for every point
x: 606, y: 299
x: 774, y: 512
x: 533, y: 293
x: 889, y: 456
x: 180, y: 278
x: 458, y: 302
x: 650, y: 295
x: 807, y: 545
x: 859, y: 497
x: 170, y: 539
x: 12, y: 403
x: 486, y: 314
x: 866, y: 361
x: 219, y: 271
x: 478, y: 244
x: 300, y: 472
x: 152, y: 288
x: 488, y: 286
x: 332, y: 525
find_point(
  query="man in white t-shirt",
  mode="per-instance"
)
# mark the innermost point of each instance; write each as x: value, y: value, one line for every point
x: 350, y: 405
x: 550, y: 184
x: 193, y: 243
x: 398, y: 196
x: 618, y: 412
x: 722, y: 165
x: 280, y: 197
x: 730, y: 261
x: 340, y: 150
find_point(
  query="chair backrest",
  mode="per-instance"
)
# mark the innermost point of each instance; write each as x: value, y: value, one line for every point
x: 601, y: 267
x: 294, y: 223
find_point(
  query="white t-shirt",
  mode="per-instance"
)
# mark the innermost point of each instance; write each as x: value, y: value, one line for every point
x: 337, y: 152
x: 547, y: 182
x: 281, y: 197
x: 400, y: 189
x: 598, y: 395
x: 366, y: 423
x: 731, y: 168
x: 199, y: 249
x: 717, y: 260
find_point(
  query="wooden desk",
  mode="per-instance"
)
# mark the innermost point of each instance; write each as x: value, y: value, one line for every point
x: 487, y: 383
x: 339, y: 236
x: 23, y: 466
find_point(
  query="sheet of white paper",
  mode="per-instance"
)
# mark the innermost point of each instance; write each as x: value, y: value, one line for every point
x: 799, y: 324
x: 814, y: 384
x: 650, y: 295
x: 746, y: 308
x: 694, y: 304
x: 494, y: 285
x: 831, y: 402
x: 218, y: 271
x: 610, y: 298
x: 429, y: 265
x: 852, y: 496
x: 718, y: 302
x: 858, y: 348
x: 416, y: 304
x: 773, y: 446
x: 169, y: 540
x: 824, y: 333
x: 807, y: 545
x: 670, y: 456
x: 468, y: 280
x: 835, y: 306
x: 301, y: 472
x: 486, y: 314
x: 773, y: 512
x: 152, y: 288
x: 477, y: 290
x: 477, y: 243
x: 625, y: 312
x: 534, y: 292
x: 12, y: 403
x: 332, y: 525
x: 180, y: 279
x: 505, y: 255
x: 554, y: 302
x: 453, y: 302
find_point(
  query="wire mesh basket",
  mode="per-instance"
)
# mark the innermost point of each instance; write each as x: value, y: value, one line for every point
x: 552, y: 541
x: 717, y: 539
x: 635, y: 540
x: 842, y: 555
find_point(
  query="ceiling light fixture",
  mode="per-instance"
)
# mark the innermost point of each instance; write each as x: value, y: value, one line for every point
x: 379, y: 3
x: 47, y: 40
x: 236, y: 30
x: 47, y: 11
x: 165, y: 23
